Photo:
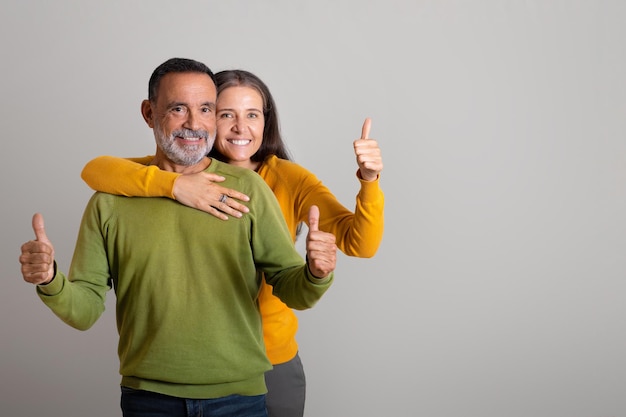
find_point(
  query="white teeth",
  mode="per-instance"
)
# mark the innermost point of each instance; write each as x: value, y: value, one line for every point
x: 239, y: 142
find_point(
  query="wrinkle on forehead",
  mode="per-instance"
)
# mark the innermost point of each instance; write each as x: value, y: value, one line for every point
x: 188, y: 89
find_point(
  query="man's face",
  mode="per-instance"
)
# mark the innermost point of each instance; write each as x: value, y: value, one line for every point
x: 183, y: 116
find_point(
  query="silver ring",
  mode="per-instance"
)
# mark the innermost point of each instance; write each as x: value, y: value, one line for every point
x: 223, y: 198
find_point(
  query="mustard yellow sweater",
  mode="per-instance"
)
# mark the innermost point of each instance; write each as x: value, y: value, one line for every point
x: 358, y: 233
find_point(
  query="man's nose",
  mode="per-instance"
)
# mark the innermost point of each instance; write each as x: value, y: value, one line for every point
x: 193, y: 121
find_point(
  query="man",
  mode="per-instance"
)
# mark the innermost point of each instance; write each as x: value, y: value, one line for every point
x: 185, y: 283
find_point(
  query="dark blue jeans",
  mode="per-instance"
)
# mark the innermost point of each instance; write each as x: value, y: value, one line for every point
x: 138, y: 403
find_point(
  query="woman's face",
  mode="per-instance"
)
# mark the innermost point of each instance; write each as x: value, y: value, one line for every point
x: 240, y: 124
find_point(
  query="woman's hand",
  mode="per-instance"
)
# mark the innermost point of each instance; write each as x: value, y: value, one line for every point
x: 201, y: 192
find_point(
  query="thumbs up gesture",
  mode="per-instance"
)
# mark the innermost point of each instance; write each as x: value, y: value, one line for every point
x: 321, y: 249
x: 37, y: 256
x: 367, y: 153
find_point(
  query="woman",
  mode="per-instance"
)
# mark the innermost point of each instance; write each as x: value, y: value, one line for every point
x: 248, y: 135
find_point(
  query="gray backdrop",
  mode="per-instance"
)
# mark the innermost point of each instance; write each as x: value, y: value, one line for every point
x: 498, y: 289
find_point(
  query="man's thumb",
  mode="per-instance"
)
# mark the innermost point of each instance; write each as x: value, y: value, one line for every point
x: 314, y: 218
x: 38, y: 228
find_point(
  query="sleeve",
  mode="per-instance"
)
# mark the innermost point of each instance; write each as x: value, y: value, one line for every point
x: 79, y: 298
x: 129, y: 177
x: 357, y: 233
x: 276, y: 255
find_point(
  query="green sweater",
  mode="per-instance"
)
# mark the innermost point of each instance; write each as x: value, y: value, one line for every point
x: 186, y: 286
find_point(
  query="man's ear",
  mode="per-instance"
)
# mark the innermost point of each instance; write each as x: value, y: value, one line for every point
x: 146, y: 112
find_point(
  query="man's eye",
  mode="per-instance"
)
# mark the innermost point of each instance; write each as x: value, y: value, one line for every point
x: 206, y: 110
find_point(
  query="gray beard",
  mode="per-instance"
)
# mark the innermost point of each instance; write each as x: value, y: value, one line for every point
x: 186, y: 155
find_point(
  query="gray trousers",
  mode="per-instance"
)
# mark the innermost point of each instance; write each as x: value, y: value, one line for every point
x: 286, y: 389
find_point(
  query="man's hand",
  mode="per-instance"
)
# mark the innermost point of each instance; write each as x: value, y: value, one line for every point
x: 201, y: 192
x: 321, y: 249
x: 367, y: 152
x: 37, y: 256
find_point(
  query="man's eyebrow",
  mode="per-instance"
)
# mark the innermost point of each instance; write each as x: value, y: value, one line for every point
x: 210, y: 104
x: 176, y: 104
